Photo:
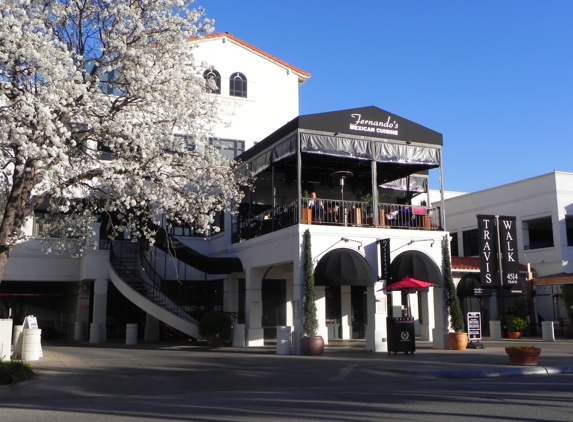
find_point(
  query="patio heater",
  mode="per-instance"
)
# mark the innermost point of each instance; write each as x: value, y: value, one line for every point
x: 343, y: 175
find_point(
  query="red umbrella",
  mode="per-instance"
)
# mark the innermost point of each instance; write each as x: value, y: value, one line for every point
x: 410, y: 284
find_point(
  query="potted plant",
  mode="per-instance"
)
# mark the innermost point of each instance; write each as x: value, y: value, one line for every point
x: 516, y: 326
x: 523, y: 355
x: 312, y: 344
x: 215, y: 327
x: 458, y: 339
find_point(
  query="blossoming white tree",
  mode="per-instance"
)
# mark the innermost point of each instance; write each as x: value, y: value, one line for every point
x: 92, y: 93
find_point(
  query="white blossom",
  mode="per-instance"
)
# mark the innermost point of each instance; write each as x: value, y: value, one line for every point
x: 56, y: 124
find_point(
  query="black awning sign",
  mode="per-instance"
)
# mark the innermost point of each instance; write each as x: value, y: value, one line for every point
x: 384, y: 249
x: 487, y: 245
x: 388, y: 126
x: 508, y: 243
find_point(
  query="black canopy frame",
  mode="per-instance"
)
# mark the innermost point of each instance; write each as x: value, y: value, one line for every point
x: 304, y: 153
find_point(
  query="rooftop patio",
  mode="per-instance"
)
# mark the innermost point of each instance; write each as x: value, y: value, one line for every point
x: 350, y: 168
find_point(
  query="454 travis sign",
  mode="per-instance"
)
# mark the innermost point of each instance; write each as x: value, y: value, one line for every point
x: 497, y: 236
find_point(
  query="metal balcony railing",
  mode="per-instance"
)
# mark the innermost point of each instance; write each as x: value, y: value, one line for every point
x: 336, y: 213
x: 133, y: 268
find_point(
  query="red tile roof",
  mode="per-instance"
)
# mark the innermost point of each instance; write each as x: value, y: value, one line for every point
x: 462, y: 263
x: 298, y: 71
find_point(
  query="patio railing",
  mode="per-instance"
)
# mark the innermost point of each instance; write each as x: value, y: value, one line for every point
x: 337, y: 213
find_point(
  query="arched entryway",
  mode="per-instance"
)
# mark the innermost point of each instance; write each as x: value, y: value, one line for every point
x: 418, y: 265
x: 275, y: 294
x: 345, y: 275
x: 474, y: 298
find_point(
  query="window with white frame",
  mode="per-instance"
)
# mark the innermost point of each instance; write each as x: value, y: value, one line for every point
x: 238, y: 85
x: 213, y: 79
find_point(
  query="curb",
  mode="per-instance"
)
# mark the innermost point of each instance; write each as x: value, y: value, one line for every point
x: 495, y: 373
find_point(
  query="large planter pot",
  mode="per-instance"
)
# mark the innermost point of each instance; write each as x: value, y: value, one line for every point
x: 313, y: 346
x: 516, y: 335
x: 458, y: 341
x: 518, y: 356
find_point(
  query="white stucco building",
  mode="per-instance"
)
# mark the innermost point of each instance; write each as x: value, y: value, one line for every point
x: 366, y: 166
x: 543, y: 207
x: 259, y: 92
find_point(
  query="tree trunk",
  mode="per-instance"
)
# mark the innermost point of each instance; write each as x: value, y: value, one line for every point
x: 3, y: 262
x: 18, y: 207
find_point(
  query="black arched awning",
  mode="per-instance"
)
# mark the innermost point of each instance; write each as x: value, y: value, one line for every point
x: 343, y: 267
x: 416, y: 265
x: 467, y: 285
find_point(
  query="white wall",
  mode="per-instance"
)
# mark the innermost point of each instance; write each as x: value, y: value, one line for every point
x: 549, y: 195
x: 272, y: 89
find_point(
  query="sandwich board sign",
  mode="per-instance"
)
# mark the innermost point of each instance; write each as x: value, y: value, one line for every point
x: 474, y: 326
x: 30, y: 322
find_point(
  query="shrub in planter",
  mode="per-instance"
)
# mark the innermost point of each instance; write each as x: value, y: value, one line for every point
x: 312, y: 344
x: 523, y: 355
x: 516, y: 324
x: 215, y: 326
x: 458, y: 339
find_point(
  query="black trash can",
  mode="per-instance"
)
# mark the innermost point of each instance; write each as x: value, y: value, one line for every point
x: 401, y: 335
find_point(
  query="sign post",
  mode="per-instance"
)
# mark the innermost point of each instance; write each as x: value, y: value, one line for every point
x: 498, y: 239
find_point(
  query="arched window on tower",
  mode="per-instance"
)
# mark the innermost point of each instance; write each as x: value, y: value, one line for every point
x: 238, y: 85
x: 213, y: 79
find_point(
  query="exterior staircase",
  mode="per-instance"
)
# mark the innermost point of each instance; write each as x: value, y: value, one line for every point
x: 136, y: 280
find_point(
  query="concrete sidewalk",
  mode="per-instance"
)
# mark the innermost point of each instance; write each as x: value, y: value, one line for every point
x: 169, y: 368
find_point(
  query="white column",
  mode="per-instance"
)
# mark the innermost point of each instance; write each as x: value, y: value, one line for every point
x: 428, y: 317
x: 414, y: 312
x: 297, y: 307
x: 377, y: 311
x: 254, y: 307
x: 321, y: 312
x: 346, y: 312
x: 396, y: 304
x: 440, y: 333
x: 495, y: 330
x: 99, y: 314
x: 230, y: 294
x: 6, y: 332
x: 548, y: 334
x: 289, y: 300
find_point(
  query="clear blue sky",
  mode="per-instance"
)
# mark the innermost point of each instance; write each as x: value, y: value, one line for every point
x: 495, y: 77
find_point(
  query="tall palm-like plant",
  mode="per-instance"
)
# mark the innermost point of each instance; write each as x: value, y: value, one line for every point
x: 452, y: 300
x: 310, y: 323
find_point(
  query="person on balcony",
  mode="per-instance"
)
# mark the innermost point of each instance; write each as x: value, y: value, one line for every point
x: 332, y: 213
x: 317, y: 208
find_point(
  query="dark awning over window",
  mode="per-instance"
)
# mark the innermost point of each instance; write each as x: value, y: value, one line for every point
x: 367, y: 133
x: 416, y: 265
x: 468, y: 284
x: 343, y: 267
